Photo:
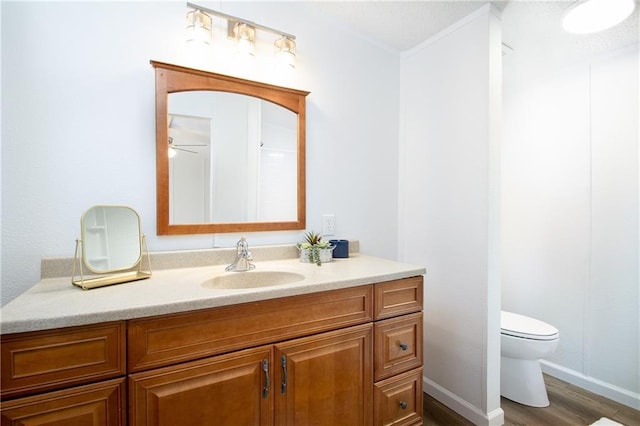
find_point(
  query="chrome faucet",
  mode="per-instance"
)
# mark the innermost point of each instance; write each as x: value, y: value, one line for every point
x: 243, y: 258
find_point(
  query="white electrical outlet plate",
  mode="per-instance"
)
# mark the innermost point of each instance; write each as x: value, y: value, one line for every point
x: 328, y: 224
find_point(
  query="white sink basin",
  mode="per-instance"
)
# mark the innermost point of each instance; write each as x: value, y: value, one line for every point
x: 252, y: 279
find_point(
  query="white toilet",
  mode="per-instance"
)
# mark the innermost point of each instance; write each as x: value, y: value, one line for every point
x: 524, y: 341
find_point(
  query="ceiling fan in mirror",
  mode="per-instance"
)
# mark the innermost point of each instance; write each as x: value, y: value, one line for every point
x: 188, y: 131
x: 173, y: 147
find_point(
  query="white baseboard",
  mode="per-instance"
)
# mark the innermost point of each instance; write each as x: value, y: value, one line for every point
x: 591, y: 384
x: 462, y: 407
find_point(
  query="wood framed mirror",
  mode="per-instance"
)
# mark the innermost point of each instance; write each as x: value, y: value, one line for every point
x: 230, y: 153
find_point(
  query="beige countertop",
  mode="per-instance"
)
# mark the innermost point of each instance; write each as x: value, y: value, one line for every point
x: 55, y: 302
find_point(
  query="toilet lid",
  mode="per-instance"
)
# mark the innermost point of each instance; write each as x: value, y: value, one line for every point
x: 525, y: 327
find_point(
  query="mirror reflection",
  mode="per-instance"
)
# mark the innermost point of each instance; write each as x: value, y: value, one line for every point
x: 232, y: 158
x: 111, y: 238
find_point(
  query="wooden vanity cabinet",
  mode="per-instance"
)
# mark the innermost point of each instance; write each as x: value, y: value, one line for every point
x: 324, y: 379
x: 343, y: 357
x: 319, y: 349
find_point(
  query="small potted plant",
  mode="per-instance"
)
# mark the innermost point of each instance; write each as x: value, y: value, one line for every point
x: 314, y: 250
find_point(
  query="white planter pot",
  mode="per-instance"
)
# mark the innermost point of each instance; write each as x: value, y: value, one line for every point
x: 326, y: 255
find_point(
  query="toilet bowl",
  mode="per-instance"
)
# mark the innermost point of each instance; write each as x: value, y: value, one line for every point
x: 524, y: 341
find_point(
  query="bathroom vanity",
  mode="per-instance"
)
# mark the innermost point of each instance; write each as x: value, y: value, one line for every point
x: 340, y: 346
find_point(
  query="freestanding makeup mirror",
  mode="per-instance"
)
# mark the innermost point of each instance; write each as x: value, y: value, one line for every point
x: 112, y: 247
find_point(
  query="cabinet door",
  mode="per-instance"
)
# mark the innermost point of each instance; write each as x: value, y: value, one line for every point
x: 326, y: 379
x: 99, y: 404
x: 232, y: 389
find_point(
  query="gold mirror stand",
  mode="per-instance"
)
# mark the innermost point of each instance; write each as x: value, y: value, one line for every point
x: 110, y: 278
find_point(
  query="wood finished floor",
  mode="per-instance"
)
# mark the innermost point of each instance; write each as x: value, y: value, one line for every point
x: 570, y: 406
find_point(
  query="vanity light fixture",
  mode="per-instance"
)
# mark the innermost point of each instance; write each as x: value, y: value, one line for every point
x: 245, y: 37
x: 591, y: 16
x: 243, y: 32
x: 286, y: 51
x: 198, y: 27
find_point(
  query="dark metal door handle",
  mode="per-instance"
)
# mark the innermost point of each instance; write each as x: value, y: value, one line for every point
x: 265, y: 368
x: 283, y: 363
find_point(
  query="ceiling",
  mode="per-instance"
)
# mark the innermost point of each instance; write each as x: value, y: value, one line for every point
x: 527, y: 25
x: 398, y: 25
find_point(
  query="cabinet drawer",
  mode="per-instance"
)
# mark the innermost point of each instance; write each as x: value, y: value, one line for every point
x: 398, y: 345
x: 398, y: 297
x: 99, y: 404
x: 398, y: 400
x: 169, y: 339
x: 52, y: 359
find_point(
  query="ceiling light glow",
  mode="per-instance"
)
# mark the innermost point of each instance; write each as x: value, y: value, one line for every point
x: 590, y: 16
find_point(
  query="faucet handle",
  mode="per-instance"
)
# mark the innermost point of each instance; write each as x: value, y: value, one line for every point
x: 243, y: 257
x: 242, y: 246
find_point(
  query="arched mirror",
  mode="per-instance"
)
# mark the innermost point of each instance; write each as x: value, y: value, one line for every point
x: 230, y: 153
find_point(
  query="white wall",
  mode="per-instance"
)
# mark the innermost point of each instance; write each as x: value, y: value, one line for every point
x: 78, y: 124
x: 570, y: 216
x: 449, y: 208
